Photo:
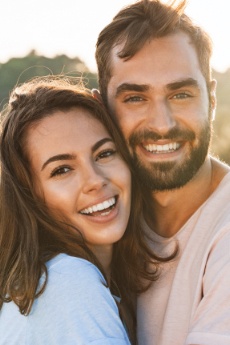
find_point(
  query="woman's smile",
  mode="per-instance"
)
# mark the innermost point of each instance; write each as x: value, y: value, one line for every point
x: 102, y: 208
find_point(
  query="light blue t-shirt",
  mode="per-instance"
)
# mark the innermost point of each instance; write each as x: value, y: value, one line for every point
x: 75, y: 308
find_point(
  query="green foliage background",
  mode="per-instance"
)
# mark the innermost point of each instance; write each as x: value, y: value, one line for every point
x: 17, y: 70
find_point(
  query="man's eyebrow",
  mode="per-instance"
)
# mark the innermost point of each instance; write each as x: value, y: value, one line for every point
x: 144, y: 87
x: 60, y: 157
x: 131, y: 87
x: 67, y: 156
x: 182, y: 83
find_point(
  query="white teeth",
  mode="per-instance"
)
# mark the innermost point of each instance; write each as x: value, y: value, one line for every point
x: 99, y: 207
x: 94, y: 208
x: 162, y: 148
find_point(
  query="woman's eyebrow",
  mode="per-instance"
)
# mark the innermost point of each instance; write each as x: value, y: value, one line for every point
x: 100, y: 143
x: 67, y: 156
x: 63, y: 156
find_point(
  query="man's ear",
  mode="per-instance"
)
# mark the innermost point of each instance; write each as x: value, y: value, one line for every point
x: 96, y: 94
x: 213, y: 100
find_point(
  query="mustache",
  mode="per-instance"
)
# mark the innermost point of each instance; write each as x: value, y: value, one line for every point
x: 174, y: 134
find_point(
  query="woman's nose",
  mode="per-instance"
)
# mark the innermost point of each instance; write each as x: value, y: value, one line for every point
x: 94, y: 179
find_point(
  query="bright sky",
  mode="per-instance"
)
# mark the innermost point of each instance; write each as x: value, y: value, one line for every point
x: 71, y: 27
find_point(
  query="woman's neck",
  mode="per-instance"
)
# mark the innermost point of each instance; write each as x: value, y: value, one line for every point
x: 104, y: 255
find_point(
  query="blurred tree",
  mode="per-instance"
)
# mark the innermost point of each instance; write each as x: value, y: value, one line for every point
x: 18, y: 70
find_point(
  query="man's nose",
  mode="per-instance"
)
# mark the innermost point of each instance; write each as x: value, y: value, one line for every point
x: 160, y: 118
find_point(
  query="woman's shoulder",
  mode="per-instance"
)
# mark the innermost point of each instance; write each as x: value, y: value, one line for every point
x: 69, y: 269
x: 76, y: 306
x: 72, y: 279
x: 74, y: 287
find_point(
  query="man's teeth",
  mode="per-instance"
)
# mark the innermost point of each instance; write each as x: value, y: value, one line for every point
x: 99, y: 207
x: 162, y: 148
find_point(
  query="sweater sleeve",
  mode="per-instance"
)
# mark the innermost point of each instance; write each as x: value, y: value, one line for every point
x: 75, y: 308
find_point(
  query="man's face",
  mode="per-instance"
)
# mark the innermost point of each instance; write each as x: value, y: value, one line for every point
x: 160, y: 100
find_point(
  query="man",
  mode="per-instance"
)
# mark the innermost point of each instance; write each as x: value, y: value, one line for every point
x: 155, y: 78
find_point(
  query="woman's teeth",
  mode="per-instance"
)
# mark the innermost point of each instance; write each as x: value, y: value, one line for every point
x: 100, y: 207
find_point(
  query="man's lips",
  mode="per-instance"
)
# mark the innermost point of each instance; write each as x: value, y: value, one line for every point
x: 162, y: 148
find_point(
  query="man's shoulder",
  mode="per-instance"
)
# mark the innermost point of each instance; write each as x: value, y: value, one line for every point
x: 219, y: 169
x: 220, y: 180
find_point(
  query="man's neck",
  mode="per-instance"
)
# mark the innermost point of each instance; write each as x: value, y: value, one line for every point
x: 173, y: 208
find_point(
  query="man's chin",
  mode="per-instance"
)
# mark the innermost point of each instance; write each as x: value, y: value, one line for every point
x: 167, y: 175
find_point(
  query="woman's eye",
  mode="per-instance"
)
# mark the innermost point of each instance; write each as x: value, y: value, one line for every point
x: 60, y: 171
x: 105, y: 154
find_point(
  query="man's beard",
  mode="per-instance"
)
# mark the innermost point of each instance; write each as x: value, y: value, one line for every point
x: 160, y: 176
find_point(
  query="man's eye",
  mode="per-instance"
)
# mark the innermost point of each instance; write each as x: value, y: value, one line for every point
x: 60, y: 171
x: 133, y: 99
x: 105, y: 154
x: 181, y: 95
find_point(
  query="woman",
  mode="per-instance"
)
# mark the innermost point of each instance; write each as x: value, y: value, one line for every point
x: 66, y: 239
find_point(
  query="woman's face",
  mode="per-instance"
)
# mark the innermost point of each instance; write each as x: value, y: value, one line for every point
x: 80, y: 175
